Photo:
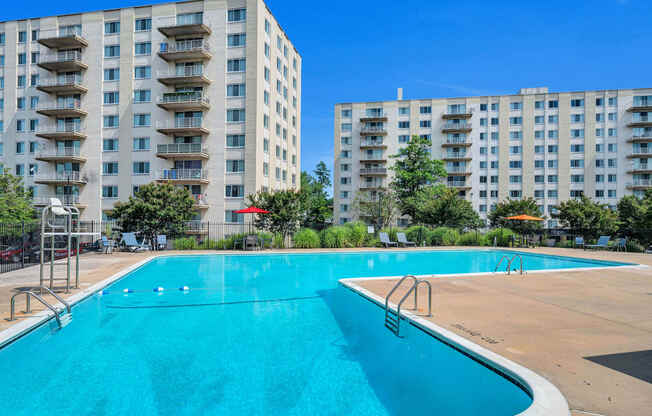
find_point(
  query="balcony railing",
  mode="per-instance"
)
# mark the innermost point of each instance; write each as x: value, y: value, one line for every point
x: 373, y: 171
x: 458, y: 140
x: 455, y: 126
x: 373, y: 129
x: 641, y: 166
x: 172, y: 148
x: 642, y: 151
x: 189, y: 45
x: 457, y: 169
x: 183, y: 174
x: 61, y: 128
x: 183, y: 98
x: 61, y: 81
x: 371, y: 185
x: 374, y: 156
x: 188, y: 122
x: 199, y: 199
x: 640, y: 182
x: 456, y: 155
x: 372, y: 143
x: 65, y: 199
x: 64, y: 176
x: 65, y: 152
x: 456, y: 183
x: 637, y: 118
x: 62, y: 56
x: 455, y: 111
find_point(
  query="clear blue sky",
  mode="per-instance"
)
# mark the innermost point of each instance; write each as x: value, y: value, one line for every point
x: 360, y: 50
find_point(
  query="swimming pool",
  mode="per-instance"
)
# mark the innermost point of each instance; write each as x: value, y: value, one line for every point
x: 256, y: 334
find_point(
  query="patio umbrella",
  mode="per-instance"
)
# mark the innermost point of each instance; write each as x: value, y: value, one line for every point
x: 524, y: 217
x: 251, y: 210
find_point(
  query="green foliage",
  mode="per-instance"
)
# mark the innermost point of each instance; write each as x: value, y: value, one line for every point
x: 502, y: 236
x: 444, y: 236
x: 155, y: 209
x: 306, y: 238
x: 473, y: 238
x: 373, y: 242
x: 185, y: 243
x: 336, y: 237
x: 209, y: 244
x: 418, y: 234
x: 286, y: 209
x: 15, y: 201
x: 634, y: 246
x: 589, y: 218
x: 511, y: 207
x: 442, y: 206
x: 391, y: 233
x: 379, y: 208
x: 635, y: 217
x: 318, y: 207
x: 414, y: 170
x: 357, y: 233
x: 278, y: 240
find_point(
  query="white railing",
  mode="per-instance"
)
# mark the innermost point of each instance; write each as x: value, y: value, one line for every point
x: 180, y: 148
x: 67, y: 105
x: 642, y: 136
x: 186, y: 71
x: 641, y: 182
x: 61, y: 32
x: 457, y: 169
x: 183, y: 98
x: 61, y: 81
x: 180, y: 123
x: 65, y: 199
x: 62, y: 56
x: 453, y: 126
x: 640, y: 166
x: 375, y: 114
x: 642, y: 151
x: 375, y: 156
x: 367, y: 171
x: 65, y: 152
x: 638, y: 118
x: 455, y: 155
x: 65, y: 176
x: 182, y: 174
x: 190, y: 19
x: 199, y: 199
x: 61, y: 128
x: 185, y: 46
x: 458, y: 111
x: 456, y: 183
x: 370, y: 129
x: 371, y: 143
x: 369, y: 185
x: 458, y: 140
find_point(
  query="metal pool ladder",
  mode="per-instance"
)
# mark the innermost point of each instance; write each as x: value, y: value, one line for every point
x: 509, y: 263
x: 393, y: 318
x: 62, y: 318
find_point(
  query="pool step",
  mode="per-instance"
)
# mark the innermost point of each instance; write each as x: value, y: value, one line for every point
x: 65, y: 319
x: 393, y: 318
x: 391, y: 322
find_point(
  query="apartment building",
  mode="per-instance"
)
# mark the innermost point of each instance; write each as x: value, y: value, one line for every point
x: 540, y: 144
x: 203, y: 94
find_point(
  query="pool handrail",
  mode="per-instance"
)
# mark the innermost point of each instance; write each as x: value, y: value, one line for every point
x: 393, y: 324
x: 509, y: 265
x: 29, y: 293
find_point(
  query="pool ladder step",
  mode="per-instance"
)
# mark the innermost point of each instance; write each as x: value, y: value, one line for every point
x: 509, y: 263
x: 392, y: 317
x: 63, y: 317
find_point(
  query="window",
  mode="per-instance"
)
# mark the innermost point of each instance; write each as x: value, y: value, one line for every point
x: 599, y: 132
x: 612, y: 178
x: 403, y: 124
x: 553, y: 148
x: 494, y: 135
x: 235, y: 90
x: 425, y: 124
x: 539, y: 179
x: 494, y: 121
x: 515, y: 164
x: 577, y: 148
x: 577, y: 118
x: 231, y: 217
x: 235, y: 166
x: 109, y: 168
x: 109, y: 191
x: 35, y: 35
x: 237, y: 140
x: 21, y: 81
x: 599, y: 147
x: 611, y: 163
x: 111, y: 28
x: 20, y: 103
x: 33, y: 169
x: 515, y: 194
x: 190, y: 18
x: 110, y: 145
x: 142, y: 120
x: 611, y: 193
x: 236, y: 40
x: 552, y: 179
x: 539, y: 134
x: 32, y: 147
x: 553, y: 104
x: 235, y: 115
x: 20, y: 170
x: 142, y: 96
x: 577, y: 133
x: 236, y: 65
x: 20, y: 148
x: 612, y: 147
x: 515, y: 150
x: 515, y: 135
x: 552, y: 164
x: 483, y: 107
x: 599, y: 163
x: 599, y: 102
x: 552, y: 119
x: 112, y: 74
x: 483, y: 121
x: 494, y: 106
x: 612, y: 132
x: 538, y: 105
x: 140, y: 168
x: 22, y: 36
x: 576, y: 193
x: 33, y: 124
x: 553, y: 134
x: 612, y: 101
x: 112, y: 97
x: 36, y: 56
x: 538, y: 149
x: 599, y: 117
x: 404, y: 139
x: 577, y: 103
x: 110, y: 121
x: 141, y: 144
x: 425, y: 109
x: 2, y: 38
x: 143, y: 48
x: 613, y: 117
x: 552, y: 194
x: 20, y: 125
x: 34, y: 80
x: 538, y: 164
x: 577, y: 163
x: 143, y: 25
x: 577, y: 178
x: 265, y: 169
x: 112, y: 51
x: 538, y: 119
x: 515, y: 106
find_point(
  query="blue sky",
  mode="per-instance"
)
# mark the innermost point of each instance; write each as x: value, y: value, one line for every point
x: 361, y: 50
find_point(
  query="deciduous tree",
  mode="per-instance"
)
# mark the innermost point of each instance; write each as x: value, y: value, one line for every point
x: 286, y: 210
x: 512, y: 207
x: 15, y: 201
x: 587, y: 217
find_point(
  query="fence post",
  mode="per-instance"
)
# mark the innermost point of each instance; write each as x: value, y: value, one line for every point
x: 22, y: 246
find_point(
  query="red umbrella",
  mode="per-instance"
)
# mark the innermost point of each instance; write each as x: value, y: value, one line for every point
x: 252, y: 210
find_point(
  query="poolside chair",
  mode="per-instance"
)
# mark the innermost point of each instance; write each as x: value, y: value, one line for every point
x: 384, y: 238
x: 621, y: 244
x: 130, y: 243
x: 602, y: 242
x: 251, y: 241
x: 579, y: 242
x: 402, y: 240
x: 107, y: 245
x: 161, y: 242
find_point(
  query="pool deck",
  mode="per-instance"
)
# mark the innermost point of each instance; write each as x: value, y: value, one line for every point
x: 549, y: 322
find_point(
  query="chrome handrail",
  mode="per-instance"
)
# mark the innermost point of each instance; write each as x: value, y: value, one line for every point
x: 28, y: 293
x: 500, y: 261
x: 509, y: 265
x: 413, y: 288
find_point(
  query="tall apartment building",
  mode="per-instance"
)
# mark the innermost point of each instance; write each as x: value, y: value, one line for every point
x: 550, y: 146
x: 203, y: 94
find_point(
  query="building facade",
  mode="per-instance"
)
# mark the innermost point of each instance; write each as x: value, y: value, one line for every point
x: 540, y: 144
x: 203, y: 94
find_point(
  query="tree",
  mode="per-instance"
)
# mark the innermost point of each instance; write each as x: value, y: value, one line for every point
x: 635, y: 217
x: 378, y: 207
x: 15, y: 202
x: 286, y: 210
x: 415, y: 171
x: 587, y: 217
x: 155, y: 209
x: 323, y: 175
x: 511, y: 207
x: 318, y: 205
x: 444, y: 207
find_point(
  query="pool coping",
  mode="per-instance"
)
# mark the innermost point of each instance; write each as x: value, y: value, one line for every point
x: 547, y: 399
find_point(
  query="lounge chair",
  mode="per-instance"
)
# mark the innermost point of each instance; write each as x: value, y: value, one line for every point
x: 251, y: 241
x: 161, y: 242
x: 384, y: 238
x: 107, y: 245
x: 603, y: 241
x: 130, y: 243
x: 621, y: 244
x: 579, y: 242
x: 402, y: 240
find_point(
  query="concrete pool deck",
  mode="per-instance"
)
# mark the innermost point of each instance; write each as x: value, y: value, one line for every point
x: 549, y: 322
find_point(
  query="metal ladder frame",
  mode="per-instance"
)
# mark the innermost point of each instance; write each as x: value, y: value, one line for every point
x: 28, y: 309
x: 509, y: 263
x: 393, y: 324
x: 500, y: 261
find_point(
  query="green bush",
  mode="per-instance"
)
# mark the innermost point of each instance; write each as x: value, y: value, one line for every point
x: 473, y: 238
x: 306, y: 238
x: 444, y: 236
x: 418, y: 234
x: 278, y: 241
x: 335, y: 237
x: 634, y: 246
x: 209, y: 245
x: 357, y: 233
x: 391, y: 232
x: 503, y: 237
x: 186, y: 243
x: 373, y: 242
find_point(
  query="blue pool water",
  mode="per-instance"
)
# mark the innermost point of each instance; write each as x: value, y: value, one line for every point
x: 255, y: 335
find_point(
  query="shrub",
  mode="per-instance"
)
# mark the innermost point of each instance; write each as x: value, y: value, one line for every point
x: 373, y: 242
x: 418, y: 234
x: 278, y: 240
x: 209, y: 245
x: 634, y: 246
x: 186, y: 243
x: 357, y: 233
x: 473, y: 238
x: 335, y: 237
x: 391, y: 232
x: 444, y: 236
x: 503, y: 237
x: 306, y: 238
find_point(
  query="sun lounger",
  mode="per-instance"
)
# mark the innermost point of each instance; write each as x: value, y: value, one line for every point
x: 384, y: 238
x: 603, y: 241
x: 402, y: 240
x: 131, y: 244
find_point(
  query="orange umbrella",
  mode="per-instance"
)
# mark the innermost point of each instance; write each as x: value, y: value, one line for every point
x: 524, y: 217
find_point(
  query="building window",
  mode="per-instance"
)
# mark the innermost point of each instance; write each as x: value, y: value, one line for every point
x: 231, y: 217
x: 236, y: 65
x: 143, y: 48
x: 577, y: 103
x: 237, y: 15
x: 111, y: 97
x: 112, y: 74
x: 142, y: 120
x: 22, y: 36
x: 403, y: 124
x: 235, y: 90
x: 141, y: 168
x: 111, y: 122
x: 143, y: 72
x: 142, y: 96
x: 235, y: 115
x: 236, y: 40
x: 110, y: 145
x: 234, y: 191
x: 235, y: 140
x: 553, y: 104
x: 235, y: 166
x: 109, y: 191
x: 143, y: 25
x: 141, y: 144
x: 109, y: 168
x: 112, y: 51
x: 111, y: 28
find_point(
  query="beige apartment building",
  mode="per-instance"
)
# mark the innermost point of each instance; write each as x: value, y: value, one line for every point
x: 203, y: 94
x: 546, y: 145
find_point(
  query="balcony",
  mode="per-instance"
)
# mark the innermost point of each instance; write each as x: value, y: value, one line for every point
x: 641, y: 152
x: 40, y: 201
x: 372, y: 185
x: 373, y: 131
x: 458, y: 184
x: 61, y: 178
x: 197, y: 176
x: 181, y: 151
x: 371, y: 117
x: 457, y: 142
x: 62, y: 131
x: 457, y: 113
x: 640, y: 184
x: 373, y: 158
x: 638, y: 167
x: 373, y: 172
x: 200, y: 202
x: 449, y: 127
x: 184, y: 101
x: 642, y: 138
x: 64, y: 38
x: 641, y: 104
x: 68, y: 109
x: 458, y: 170
x: 63, y: 61
x: 372, y: 144
x: 67, y: 154
x: 456, y: 156
x: 640, y: 121
x: 185, y: 76
x: 70, y: 84
x: 183, y: 26
x: 192, y: 49
x: 191, y: 126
